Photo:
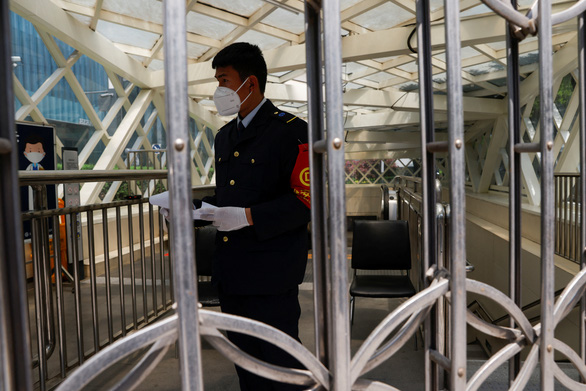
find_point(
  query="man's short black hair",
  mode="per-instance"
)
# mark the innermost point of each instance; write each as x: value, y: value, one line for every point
x: 246, y: 59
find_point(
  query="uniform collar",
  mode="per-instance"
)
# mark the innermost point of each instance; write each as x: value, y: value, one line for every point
x: 246, y: 120
x: 256, y: 124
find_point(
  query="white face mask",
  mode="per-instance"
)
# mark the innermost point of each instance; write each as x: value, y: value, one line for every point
x: 34, y: 157
x: 227, y: 101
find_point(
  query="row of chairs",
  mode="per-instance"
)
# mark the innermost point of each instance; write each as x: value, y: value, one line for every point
x: 379, y: 246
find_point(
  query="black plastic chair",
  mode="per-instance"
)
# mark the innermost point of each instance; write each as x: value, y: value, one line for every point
x: 380, y: 245
x: 205, y: 247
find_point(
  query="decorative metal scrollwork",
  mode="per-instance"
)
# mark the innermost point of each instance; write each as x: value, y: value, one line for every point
x: 408, y: 316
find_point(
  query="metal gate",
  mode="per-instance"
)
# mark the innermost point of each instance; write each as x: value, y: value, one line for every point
x: 332, y: 367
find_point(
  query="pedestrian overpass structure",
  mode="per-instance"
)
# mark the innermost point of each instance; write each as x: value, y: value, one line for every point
x: 473, y: 111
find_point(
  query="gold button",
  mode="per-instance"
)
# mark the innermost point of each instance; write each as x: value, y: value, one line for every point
x: 252, y: 161
x: 225, y: 238
x: 219, y: 159
x: 236, y: 154
x: 232, y: 182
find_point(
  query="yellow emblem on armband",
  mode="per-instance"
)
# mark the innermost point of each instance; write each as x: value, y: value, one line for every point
x: 304, y: 176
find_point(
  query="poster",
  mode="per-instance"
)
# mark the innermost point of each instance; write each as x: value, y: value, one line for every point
x: 36, y: 152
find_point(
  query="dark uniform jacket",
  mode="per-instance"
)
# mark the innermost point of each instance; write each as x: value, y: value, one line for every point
x: 253, y: 170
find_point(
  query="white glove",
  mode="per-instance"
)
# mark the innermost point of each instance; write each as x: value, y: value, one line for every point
x: 228, y: 218
x: 195, y: 214
x: 165, y: 213
x: 163, y: 201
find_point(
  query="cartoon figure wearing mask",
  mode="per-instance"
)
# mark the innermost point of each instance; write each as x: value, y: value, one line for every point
x: 34, y: 153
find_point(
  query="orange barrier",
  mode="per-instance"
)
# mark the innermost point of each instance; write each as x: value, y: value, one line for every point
x: 62, y: 242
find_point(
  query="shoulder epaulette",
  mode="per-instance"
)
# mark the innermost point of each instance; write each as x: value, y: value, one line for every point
x: 284, y: 116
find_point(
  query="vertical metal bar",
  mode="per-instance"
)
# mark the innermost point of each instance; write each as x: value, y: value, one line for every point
x: 162, y: 260
x: 339, y: 317
x: 60, y: 302
x: 566, y: 216
x: 547, y: 201
x: 106, y: 241
x: 577, y: 198
x: 319, y: 245
x: 182, y: 240
x: 39, y: 310
x: 132, y: 267
x: 557, y: 213
x: 77, y: 293
x: 15, y: 361
x: 170, y: 264
x: 428, y: 180
x: 120, y: 271
x: 153, y: 266
x: 44, y: 278
x: 93, y: 285
x: 441, y: 318
x: 457, y: 196
x: 514, y: 114
x: 572, y: 254
x: 582, y: 119
x: 143, y: 263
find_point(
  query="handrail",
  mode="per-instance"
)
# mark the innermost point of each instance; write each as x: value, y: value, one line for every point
x: 48, y: 177
x: 160, y: 268
x: 525, y: 307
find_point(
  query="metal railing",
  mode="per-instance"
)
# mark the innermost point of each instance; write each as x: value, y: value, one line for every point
x: 567, y: 216
x: 121, y: 290
x: 333, y: 367
x: 146, y: 159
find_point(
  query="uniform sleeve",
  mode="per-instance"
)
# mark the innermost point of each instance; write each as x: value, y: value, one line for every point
x: 291, y: 210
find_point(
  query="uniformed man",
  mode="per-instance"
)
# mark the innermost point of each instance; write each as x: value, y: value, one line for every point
x: 262, y: 200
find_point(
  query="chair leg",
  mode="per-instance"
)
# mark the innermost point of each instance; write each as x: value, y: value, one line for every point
x: 351, y: 310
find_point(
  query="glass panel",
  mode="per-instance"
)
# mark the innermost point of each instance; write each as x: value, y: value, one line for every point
x: 534, y: 116
x: 207, y: 26
x: 149, y: 10
x: 61, y: 104
x: 344, y: 4
x: 286, y: 20
x: 85, y: 20
x: 264, y: 41
x: 127, y: 35
x: 564, y: 94
x: 130, y: 146
x: 379, y: 171
x: 33, y: 62
x: 65, y: 48
x: 240, y: 7
x: 132, y: 96
x: 195, y: 51
x: 383, y: 17
x: 116, y: 122
x: 158, y: 134
x: 537, y: 166
x: 529, y: 58
x: 93, y: 79
x: 482, y: 69
x: 85, y: 3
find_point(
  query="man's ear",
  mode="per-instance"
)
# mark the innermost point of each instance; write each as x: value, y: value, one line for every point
x: 254, y: 81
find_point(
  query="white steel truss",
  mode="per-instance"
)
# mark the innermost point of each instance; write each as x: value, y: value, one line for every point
x: 380, y: 78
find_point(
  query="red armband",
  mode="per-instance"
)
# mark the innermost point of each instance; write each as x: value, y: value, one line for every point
x: 300, y: 176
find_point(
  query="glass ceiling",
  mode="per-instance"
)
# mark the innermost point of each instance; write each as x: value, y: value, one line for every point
x: 135, y: 28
